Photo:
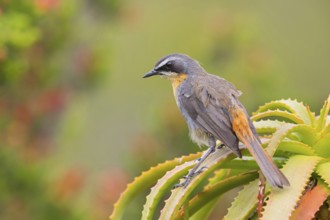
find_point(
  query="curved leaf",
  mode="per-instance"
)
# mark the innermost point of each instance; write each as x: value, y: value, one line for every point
x: 327, y: 128
x: 212, y: 192
x: 244, y: 203
x: 322, y: 120
x: 303, y: 133
x: 278, y: 137
x: 291, y: 106
x: 286, y: 116
x: 285, y: 200
x: 302, y: 111
x: 206, y: 210
x: 324, y: 171
x: 267, y: 126
x: 322, y: 146
x: 163, y: 184
x: 180, y: 195
x: 144, y: 181
x: 296, y: 147
x: 310, y: 203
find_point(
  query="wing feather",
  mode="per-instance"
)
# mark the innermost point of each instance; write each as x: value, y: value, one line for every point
x: 210, y: 115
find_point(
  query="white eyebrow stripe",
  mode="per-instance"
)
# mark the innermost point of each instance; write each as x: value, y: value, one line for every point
x: 165, y: 61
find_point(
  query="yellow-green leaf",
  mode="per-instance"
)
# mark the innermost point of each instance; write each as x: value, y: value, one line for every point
x: 244, y: 203
x: 212, y: 192
x: 281, y: 203
x: 322, y: 146
x: 296, y: 147
x: 292, y: 106
x: 324, y: 171
x: 284, y: 115
x: 160, y: 188
x: 144, y: 181
x: 180, y: 195
x: 322, y: 120
x: 267, y: 126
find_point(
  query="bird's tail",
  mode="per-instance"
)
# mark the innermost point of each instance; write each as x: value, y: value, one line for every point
x: 273, y: 175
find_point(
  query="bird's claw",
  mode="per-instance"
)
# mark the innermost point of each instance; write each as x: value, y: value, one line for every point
x: 188, y: 178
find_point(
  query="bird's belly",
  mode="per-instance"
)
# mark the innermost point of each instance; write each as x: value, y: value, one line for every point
x: 198, y: 136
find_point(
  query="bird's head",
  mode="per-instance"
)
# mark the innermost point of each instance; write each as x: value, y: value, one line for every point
x: 175, y: 66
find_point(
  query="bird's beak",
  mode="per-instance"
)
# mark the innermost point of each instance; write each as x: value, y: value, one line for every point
x: 151, y: 73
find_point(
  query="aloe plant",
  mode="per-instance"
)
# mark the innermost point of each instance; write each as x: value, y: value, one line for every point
x: 300, y: 143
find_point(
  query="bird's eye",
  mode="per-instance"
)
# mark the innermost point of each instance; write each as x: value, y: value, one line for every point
x: 170, y: 63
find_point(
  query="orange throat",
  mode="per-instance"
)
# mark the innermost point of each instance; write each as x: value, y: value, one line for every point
x: 176, y: 82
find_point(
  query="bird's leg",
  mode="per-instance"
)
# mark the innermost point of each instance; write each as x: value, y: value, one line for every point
x: 195, y: 171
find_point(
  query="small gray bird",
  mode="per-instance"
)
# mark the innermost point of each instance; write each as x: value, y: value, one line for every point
x: 213, y: 112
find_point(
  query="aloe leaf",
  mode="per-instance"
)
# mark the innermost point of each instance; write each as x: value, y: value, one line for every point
x: 287, y: 116
x: 163, y: 184
x: 326, y: 129
x: 144, y: 181
x: 248, y: 163
x: 322, y: 120
x: 277, y: 104
x: 324, y: 171
x: 267, y: 126
x: 212, y: 192
x: 322, y: 146
x: 292, y: 106
x: 180, y: 195
x: 296, y: 147
x: 302, y: 111
x: 206, y: 210
x: 278, y: 137
x: 219, y: 175
x: 244, y: 203
x: 303, y: 133
x: 281, y: 203
x: 310, y: 203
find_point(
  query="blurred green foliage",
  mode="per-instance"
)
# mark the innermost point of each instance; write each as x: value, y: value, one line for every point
x: 24, y: 193
x: 38, y: 78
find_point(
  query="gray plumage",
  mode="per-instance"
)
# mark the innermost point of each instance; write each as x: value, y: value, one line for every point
x: 213, y: 112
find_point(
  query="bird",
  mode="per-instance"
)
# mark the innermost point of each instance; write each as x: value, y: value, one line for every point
x: 210, y: 106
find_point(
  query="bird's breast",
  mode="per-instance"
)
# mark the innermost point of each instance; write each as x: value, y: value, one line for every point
x: 176, y: 82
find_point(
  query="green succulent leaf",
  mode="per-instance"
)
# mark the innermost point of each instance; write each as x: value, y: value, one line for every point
x: 322, y: 120
x: 296, y: 147
x: 163, y: 184
x: 322, y: 146
x: 267, y: 126
x: 144, y: 181
x: 292, y: 106
x: 248, y: 197
x: 286, y: 200
x: 284, y: 115
x: 304, y: 133
x: 212, y: 192
x: 326, y: 129
x: 206, y: 210
x: 324, y: 171
x: 180, y: 195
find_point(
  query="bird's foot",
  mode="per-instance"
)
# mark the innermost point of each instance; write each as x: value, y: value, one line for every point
x: 189, y: 177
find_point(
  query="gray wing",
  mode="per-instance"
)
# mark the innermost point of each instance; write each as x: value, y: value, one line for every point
x: 210, y: 114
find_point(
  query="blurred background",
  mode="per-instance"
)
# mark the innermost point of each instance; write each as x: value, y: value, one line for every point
x: 78, y: 122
